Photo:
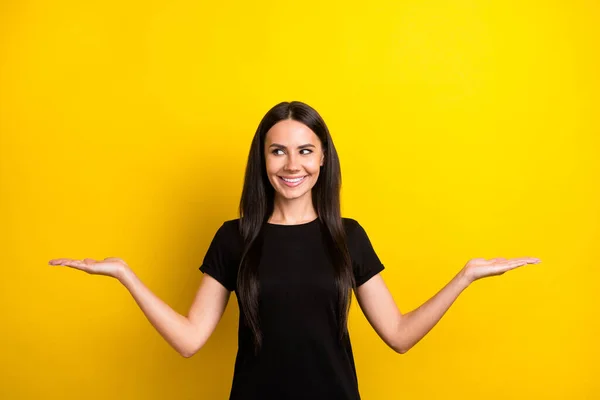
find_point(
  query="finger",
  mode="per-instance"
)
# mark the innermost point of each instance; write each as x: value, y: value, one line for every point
x: 508, y: 265
x: 74, y: 263
x: 481, y: 260
x: 69, y: 262
x: 526, y: 260
x: 58, y: 261
x: 80, y: 265
x: 530, y: 260
x: 516, y: 264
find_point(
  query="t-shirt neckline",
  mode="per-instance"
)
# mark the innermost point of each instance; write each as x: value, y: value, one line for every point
x: 292, y: 225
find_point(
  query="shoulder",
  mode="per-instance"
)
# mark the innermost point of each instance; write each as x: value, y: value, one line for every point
x: 229, y: 232
x: 356, y: 235
x: 352, y: 227
x: 365, y: 261
x: 231, y: 225
x: 350, y: 223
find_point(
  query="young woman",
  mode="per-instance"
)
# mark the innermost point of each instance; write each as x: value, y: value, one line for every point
x: 293, y: 262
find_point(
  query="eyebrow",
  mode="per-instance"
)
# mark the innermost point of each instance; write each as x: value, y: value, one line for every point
x: 300, y: 147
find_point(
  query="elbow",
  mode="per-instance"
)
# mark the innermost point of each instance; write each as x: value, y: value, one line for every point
x: 188, y: 351
x: 399, y: 343
x: 187, y: 354
x: 191, y: 349
x: 400, y: 349
x: 400, y: 346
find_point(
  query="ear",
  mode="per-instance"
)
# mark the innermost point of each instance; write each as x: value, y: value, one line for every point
x: 322, y: 159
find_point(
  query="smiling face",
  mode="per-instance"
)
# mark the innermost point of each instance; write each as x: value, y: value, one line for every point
x: 293, y: 156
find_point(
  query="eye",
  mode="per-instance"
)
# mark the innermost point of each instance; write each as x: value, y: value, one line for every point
x: 307, y: 151
x: 275, y: 152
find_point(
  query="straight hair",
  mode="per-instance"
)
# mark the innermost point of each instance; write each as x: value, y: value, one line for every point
x: 256, y: 206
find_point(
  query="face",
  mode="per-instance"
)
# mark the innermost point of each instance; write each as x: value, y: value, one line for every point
x: 293, y: 156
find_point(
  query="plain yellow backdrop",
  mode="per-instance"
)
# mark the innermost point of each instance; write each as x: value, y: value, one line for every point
x: 464, y: 128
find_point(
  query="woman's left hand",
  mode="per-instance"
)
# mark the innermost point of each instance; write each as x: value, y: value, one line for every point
x: 478, y: 268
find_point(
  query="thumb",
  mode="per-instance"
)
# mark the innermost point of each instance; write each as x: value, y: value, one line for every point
x: 115, y: 259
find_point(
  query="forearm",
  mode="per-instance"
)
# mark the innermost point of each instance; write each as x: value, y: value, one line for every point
x: 175, y: 328
x: 414, y: 325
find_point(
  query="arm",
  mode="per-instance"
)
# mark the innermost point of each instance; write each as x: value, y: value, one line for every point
x: 188, y: 334
x: 402, y: 331
x: 185, y: 334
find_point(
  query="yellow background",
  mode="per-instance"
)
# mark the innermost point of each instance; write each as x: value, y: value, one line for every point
x: 465, y: 129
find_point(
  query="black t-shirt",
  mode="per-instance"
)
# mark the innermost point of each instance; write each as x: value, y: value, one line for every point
x: 301, y: 355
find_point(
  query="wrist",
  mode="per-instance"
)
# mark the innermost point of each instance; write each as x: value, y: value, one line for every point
x: 465, y: 278
x: 124, y: 275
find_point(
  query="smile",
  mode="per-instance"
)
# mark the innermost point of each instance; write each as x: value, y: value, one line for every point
x: 293, y: 182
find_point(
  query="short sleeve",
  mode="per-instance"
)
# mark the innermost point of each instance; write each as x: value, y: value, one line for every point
x: 223, y: 256
x: 365, y: 262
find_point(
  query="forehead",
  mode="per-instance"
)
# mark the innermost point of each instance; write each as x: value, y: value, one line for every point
x: 290, y: 132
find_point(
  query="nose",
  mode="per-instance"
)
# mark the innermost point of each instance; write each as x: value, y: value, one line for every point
x: 292, y: 163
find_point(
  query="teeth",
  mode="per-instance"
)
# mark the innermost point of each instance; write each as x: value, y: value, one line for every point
x: 292, y: 180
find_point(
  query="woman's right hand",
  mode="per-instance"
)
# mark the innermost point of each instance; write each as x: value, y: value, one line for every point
x: 186, y: 334
x: 110, y: 266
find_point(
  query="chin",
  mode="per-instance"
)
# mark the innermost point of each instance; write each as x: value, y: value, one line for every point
x: 291, y: 195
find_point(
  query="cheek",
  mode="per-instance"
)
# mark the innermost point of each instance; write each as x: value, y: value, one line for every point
x: 314, y: 166
x: 271, y: 165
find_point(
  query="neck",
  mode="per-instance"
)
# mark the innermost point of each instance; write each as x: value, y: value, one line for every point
x: 293, y: 212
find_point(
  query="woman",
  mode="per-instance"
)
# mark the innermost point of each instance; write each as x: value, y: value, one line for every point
x: 293, y: 262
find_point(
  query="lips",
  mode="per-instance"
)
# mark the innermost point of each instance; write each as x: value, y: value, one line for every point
x: 293, y: 181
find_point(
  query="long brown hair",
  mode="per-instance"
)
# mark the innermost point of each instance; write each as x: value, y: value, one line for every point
x: 256, y: 206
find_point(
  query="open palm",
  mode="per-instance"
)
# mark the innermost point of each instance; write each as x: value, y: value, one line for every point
x: 110, y: 266
x: 478, y: 268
